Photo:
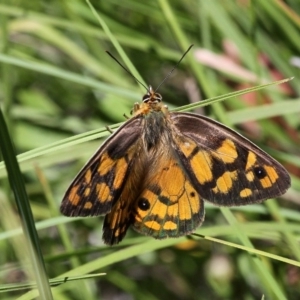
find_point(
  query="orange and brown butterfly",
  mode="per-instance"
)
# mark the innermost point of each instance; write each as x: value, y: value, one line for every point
x: 156, y: 170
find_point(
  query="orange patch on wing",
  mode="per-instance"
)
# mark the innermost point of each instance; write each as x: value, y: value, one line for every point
x: 245, y: 193
x: 187, y: 147
x: 105, y: 165
x: 117, y: 232
x: 215, y: 190
x: 88, y: 176
x: 171, y: 181
x: 201, y: 164
x: 138, y: 218
x: 250, y: 176
x: 159, y: 209
x: 88, y: 205
x: 251, y: 159
x: 184, y: 211
x: 227, y: 152
x: 173, y: 211
x: 169, y: 225
x: 121, y: 169
x: 271, y: 173
x: 103, y: 192
x: 117, y: 216
x: 192, y: 198
x: 74, y: 198
x: 86, y: 192
x: 120, y: 231
x: 271, y: 177
x: 153, y: 225
x: 224, y: 183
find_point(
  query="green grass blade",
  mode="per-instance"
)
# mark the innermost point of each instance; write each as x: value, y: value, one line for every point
x: 18, y: 187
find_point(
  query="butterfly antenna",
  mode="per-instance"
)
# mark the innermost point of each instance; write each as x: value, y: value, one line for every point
x: 126, y: 69
x: 167, y: 77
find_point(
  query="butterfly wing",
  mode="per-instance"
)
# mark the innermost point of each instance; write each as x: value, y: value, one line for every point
x: 169, y: 205
x: 225, y: 168
x: 99, y: 184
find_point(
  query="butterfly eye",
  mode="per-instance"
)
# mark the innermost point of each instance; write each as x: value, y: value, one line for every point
x: 152, y: 97
x: 146, y: 98
x: 157, y: 97
x: 260, y: 172
x: 143, y: 204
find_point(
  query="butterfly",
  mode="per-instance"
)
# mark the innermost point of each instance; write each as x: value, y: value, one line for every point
x: 156, y: 170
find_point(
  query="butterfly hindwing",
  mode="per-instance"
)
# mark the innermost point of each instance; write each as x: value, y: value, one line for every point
x: 99, y: 184
x: 226, y: 168
x: 117, y: 221
x: 168, y: 206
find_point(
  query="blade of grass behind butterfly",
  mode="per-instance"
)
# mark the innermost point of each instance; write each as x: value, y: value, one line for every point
x: 18, y: 187
x: 70, y: 76
x: 12, y: 287
x: 289, y: 237
x: 134, y: 39
x: 138, y: 40
x: 229, y: 95
x: 69, y: 47
x: 184, y: 44
x: 82, y: 288
x: 117, y: 45
x: 256, y: 230
x: 268, y: 279
x: 265, y: 111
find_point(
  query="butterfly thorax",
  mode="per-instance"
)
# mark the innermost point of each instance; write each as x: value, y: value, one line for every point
x: 155, y: 120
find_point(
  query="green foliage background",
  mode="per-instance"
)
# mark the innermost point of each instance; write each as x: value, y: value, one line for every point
x: 58, y: 91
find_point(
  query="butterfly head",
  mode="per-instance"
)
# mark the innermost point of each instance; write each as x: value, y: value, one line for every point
x: 152, y: 97
x: 152, y: 102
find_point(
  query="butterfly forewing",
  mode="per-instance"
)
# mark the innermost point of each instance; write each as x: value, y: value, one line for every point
x: 226, y: 168
x: 99, y: 184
